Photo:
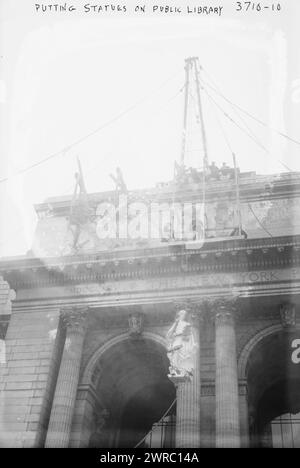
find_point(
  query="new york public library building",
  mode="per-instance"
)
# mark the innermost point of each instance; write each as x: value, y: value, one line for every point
x: 155, y: 343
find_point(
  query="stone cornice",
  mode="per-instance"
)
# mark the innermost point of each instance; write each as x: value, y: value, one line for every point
x: 252, y: 187
x: 215, y: 257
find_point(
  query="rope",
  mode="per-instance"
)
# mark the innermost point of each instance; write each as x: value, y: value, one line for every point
x: 258, y: 220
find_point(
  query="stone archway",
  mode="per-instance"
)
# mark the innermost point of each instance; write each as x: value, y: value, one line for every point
x: 273, y: 380
x: 124, y: 390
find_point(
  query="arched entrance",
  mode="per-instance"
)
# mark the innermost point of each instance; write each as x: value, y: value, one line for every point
x: 278, y: 420
x: 131, y: 391
x: 273, y: 380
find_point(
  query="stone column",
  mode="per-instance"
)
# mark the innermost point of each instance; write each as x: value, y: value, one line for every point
x: 188, y: 391
x: 227, y: 395
x: 59, y: 429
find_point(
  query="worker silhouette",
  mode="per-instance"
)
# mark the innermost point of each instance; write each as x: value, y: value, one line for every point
x: 214, y: 171
x: 119, y: 181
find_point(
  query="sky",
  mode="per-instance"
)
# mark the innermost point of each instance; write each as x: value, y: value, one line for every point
x: 108, y: 88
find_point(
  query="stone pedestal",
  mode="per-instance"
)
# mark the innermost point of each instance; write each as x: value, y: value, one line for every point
x: 188, y: 413
x: 59, y: 429
x: 227, y: 395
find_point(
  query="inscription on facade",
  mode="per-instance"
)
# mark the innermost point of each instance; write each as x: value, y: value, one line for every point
x: 182, y: 282
x: 239, y: 281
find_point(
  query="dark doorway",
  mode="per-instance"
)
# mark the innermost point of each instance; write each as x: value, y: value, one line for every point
x: 278, y: 420
x: 134, y: 389
x: 143, y: 410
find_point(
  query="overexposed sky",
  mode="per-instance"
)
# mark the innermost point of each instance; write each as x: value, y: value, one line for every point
x: 64, y: 75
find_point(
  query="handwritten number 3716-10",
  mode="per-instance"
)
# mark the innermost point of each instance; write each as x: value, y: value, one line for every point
x: 246, y: 6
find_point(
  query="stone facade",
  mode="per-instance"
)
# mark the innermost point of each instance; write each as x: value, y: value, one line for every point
x: 85, y: 332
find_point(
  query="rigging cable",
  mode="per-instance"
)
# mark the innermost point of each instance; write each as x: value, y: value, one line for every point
x: 240, y: 118
x: 64, y: 150
x: 243, y: 130
x: 164, y: 415
x: 233, y: 154
x: 99, y: 160
x: 221, y: 128
x: 17, y: 232
x: 258, y: 220
x: 217, y: 91
x: 239, y: 215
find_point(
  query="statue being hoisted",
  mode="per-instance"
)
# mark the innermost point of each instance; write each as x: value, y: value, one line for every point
x: 182, y: 347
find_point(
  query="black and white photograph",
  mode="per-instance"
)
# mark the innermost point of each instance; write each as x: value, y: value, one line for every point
x: 149, y: 226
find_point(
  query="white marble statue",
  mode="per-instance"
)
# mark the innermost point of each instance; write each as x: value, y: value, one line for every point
x: 182, y: 346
